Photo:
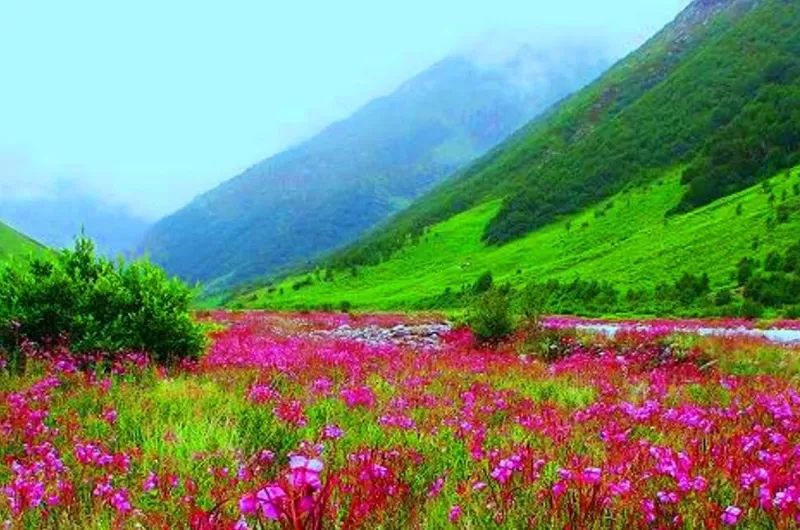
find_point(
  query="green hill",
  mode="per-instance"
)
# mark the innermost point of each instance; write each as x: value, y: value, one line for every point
x: 626, y: 240
x: 654, y: 170
x: 12, y: 243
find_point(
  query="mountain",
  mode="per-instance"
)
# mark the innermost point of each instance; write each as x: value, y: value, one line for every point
x: 56, y: 221
x: 12, y: 243
x: 700, y: 114
x: 353, y: 175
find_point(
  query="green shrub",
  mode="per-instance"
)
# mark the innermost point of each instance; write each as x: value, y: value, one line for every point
x: 490, y: 317
x: 484, y: 282
x: 97, y: 305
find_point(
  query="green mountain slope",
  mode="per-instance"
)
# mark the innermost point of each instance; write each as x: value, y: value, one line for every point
x: 715, y: 92
x: 626, y: 240
x: 12, y: 243
x: 677, y: 137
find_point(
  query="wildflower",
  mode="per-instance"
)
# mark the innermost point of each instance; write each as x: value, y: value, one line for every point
x: 649, y: 509
x: 731, y: 515
x: 305, y: 472
x: 592, y: 475
x: 150, y: 483
x: 332, y: 432
x: 436, y: 487
x: 478, y: 486
x: 270, y: 500
x: 248, y: 504
x: 668, y: 497
x: 455, y: 513
x: 620, y: 488
x: 110, y: 416
x: 120, y: 500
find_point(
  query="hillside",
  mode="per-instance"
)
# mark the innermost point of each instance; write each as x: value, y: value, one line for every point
x: 716, y: 92
x: 12, y: 243
x: 331, y: 189
x: 624, y: 240
x: 655, y: 170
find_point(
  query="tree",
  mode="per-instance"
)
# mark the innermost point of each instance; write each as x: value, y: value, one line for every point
x: 490, y: 317
x: 99, y: 306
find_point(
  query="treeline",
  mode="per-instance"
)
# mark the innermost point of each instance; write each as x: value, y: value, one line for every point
x: 763, y: 140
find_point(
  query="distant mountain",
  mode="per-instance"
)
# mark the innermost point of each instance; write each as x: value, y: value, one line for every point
x: 12, y: 243
x: 658, y: 168
x: 353, y: 175
x: 56, y: 221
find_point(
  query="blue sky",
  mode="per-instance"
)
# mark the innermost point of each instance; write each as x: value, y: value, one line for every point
x: 149, y: 103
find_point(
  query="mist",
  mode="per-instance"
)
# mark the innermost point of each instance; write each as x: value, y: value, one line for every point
x: 146, y: 106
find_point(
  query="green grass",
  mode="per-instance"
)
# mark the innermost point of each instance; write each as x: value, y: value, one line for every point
x: 633, y: 245
x: 12, y: 243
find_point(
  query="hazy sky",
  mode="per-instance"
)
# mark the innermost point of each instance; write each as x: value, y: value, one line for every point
x: 151, y: 102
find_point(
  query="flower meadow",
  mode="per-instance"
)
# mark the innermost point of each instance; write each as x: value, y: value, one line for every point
x: 282, y: 426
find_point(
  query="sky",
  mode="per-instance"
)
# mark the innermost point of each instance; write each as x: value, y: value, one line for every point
x: 146, y: 104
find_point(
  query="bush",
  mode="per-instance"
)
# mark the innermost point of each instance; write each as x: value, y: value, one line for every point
x: 490, y: 317
x: 97, y: 305
x: 483, y: 283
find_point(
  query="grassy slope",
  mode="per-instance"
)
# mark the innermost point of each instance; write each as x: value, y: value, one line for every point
x: 12, y: 243
x: 632, y: 246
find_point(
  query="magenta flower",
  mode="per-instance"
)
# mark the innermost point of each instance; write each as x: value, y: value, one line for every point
x: 455, y: 513
x: 332, y: 432
x: 305, y: 472
x: 270, y: 500
x: 120, y: 500
x: 731, y: 515
x: 592, y: 475
x: 110, y: 416
x: 248, y: 504
x: 150, y: 483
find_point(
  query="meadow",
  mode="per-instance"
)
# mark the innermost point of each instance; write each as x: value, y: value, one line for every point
x: 284, y: 423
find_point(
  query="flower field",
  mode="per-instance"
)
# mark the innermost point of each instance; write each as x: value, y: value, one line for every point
x: 284, y: 425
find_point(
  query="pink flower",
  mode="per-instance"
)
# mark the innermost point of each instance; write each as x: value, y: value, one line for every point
x: 332, y: 432
x: 731, y: 515
x: 120, y: 501
x: 110, y: 416
x: 305, y: 472
x: 150, y: 483
x: 248, y: 504
x: 620, y: 488
x: 592, y: 475
x: 270, y: 500
x: 455, y: 513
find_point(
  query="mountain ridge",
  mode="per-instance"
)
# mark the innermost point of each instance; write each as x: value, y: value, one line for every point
x: 688, y: 106
x: 322, y: 193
